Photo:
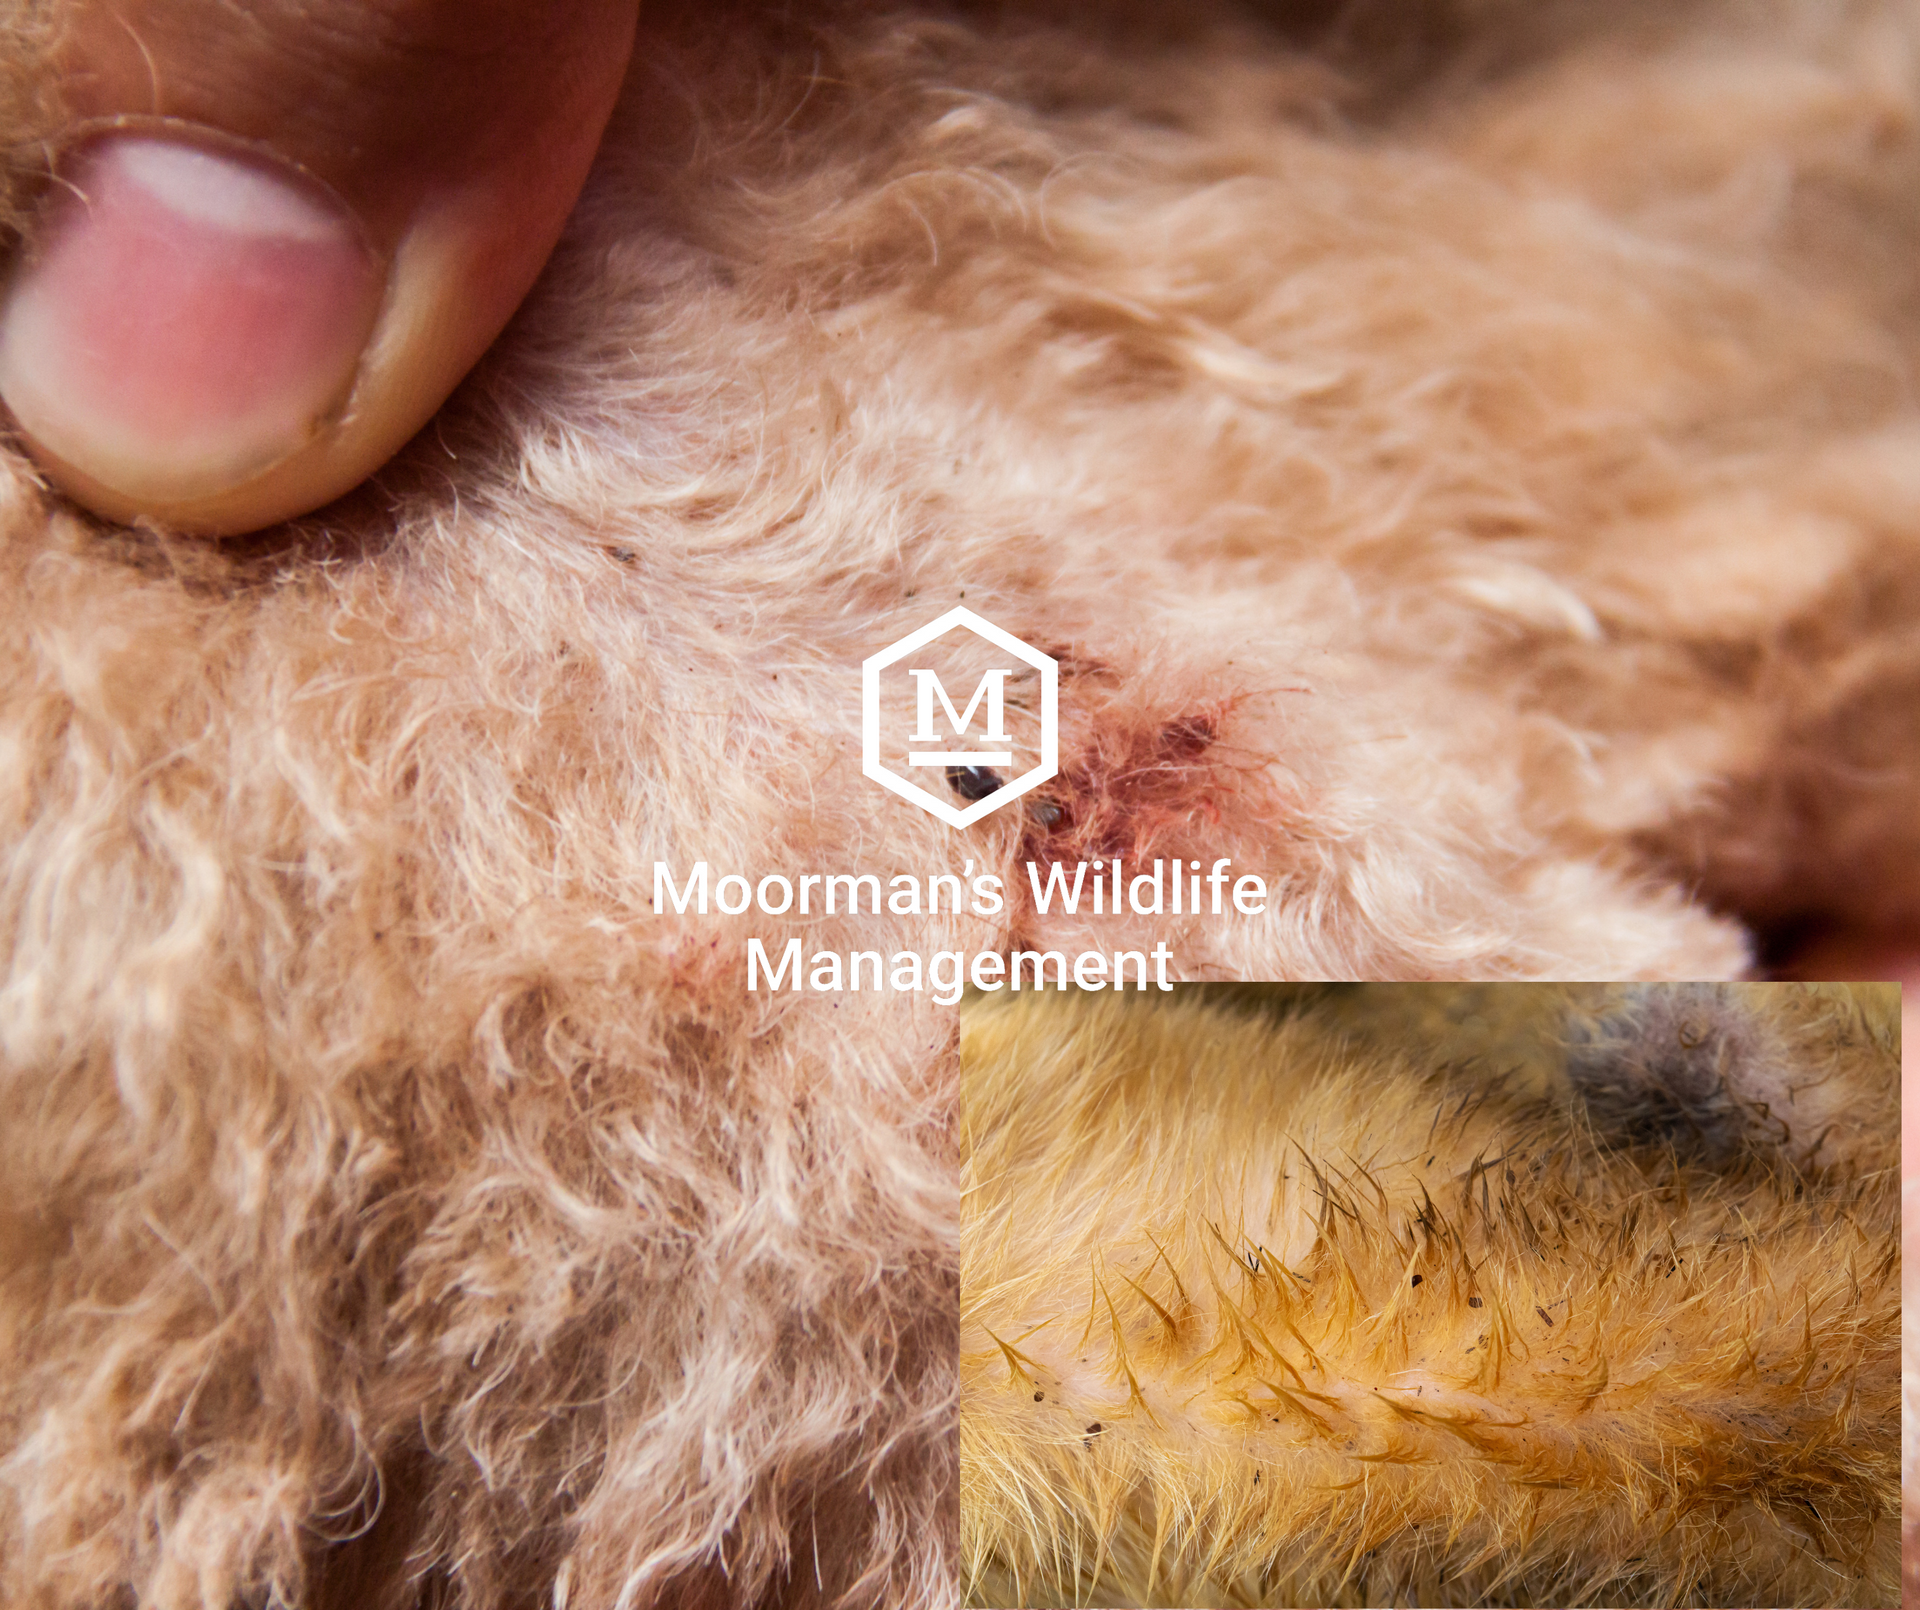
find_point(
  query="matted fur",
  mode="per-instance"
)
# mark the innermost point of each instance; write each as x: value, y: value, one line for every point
x: 1252, y: 1315
x: 1478, y: 493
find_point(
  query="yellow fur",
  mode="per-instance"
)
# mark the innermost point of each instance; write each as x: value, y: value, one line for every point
x: 1358, y: 1325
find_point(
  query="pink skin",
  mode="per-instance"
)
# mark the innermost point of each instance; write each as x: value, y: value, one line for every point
x: 181, y: 323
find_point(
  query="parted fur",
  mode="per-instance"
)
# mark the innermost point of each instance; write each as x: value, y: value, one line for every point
x: 1252, y: 1314
x: 1466, y: 470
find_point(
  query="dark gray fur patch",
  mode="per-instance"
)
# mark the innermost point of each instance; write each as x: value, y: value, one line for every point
x: 1668, y: 1068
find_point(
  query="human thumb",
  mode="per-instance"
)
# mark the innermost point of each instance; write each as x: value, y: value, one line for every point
x: 278, y: 236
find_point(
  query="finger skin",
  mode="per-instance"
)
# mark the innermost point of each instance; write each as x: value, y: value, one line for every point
x: 459, y: 134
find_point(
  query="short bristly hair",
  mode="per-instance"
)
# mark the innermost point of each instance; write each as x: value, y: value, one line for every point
x: 1253, y: 1314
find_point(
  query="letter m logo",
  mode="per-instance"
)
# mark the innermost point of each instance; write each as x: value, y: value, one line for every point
x: 993, y: 688
x: 935, y: 749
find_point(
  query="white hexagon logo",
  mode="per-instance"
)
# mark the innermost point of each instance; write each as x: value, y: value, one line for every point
x: 934, y: 750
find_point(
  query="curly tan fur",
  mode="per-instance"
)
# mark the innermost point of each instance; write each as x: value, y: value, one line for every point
x: 1466, y: 472
x: 1250, y: 1316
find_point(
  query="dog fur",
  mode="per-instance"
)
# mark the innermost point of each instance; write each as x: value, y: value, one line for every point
x: 1256, y: 1314
x: 1466, y: 469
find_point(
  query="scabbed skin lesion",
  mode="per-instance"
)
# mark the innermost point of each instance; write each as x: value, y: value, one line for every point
x: 1252, y: 1316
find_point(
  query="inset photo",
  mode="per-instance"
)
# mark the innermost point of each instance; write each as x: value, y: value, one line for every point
x: 1347, y: 1295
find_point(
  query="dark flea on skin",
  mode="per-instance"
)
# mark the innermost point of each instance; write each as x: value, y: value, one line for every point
x: 974, y: 782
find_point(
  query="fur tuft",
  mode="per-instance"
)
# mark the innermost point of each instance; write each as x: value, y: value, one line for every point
x: 1251, y: 1317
